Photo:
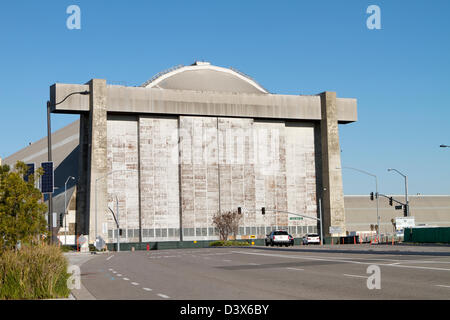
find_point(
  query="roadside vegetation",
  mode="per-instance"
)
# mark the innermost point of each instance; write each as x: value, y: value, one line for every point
x: 33, y: 272
x: 29, y: 267
x: 229, y: 243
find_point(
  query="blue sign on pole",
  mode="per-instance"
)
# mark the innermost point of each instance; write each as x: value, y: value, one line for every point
x: 47, y: 181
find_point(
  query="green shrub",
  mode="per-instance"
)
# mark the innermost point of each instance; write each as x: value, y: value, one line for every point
x: 34, y: 272
x: 221, y: 243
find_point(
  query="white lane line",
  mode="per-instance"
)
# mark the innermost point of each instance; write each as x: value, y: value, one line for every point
x: 126, y: 279
x: 135, y: 283
x: 163, y: 296
x: 114, y: 272
x: 355, y: 276
x: 119, y: 275
x: 109, y: 257
x: 296, y: 269
x: 110, y: 269
x: 339, y: 260
x: 147, y: 289
x: 380, y: 259
x: 441, y: 285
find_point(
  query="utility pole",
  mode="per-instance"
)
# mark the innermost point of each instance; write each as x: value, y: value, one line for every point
x: 406, y: 189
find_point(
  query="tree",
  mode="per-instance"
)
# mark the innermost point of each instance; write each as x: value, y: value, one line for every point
x: 21, y: 209
x: 227, y: 223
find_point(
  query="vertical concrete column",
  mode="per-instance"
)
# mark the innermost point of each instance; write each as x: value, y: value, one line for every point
x: 332, y: 193
x: 98, y: 163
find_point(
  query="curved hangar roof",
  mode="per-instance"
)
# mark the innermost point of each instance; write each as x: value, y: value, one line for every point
x: 202, y: 76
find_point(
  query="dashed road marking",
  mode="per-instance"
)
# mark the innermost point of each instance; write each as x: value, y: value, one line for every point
x: 163, y: 296
x: 126, y: 279
x: 354, y: 276
x: 147, y: 289
x: 441, y: 285
x: 135, y: 283
x: 119, y: 275
x: 109, y: 257
x: 297, y: 269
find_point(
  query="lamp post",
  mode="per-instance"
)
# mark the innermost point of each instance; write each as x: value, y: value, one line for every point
x: 49, y: 148
x: 406, y: 189
x: 376, y: 191
x: 65, y: 208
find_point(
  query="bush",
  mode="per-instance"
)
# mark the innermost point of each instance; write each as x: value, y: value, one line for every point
x: 38, y: 272
x: 221, y: 243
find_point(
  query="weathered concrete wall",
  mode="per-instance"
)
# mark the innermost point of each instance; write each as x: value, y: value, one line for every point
x: 199, y: 175
x: 301, y: 172
x: 123, y: 156
x: 159, y: 183
x: 249, y: 163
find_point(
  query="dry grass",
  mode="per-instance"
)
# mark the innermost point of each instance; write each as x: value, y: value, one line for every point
x: 34, y: 272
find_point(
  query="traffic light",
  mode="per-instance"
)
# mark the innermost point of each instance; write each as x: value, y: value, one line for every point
x: 239, y: 210
x: 371, y: 196
x: 61, y: 219
x: 405, y: 211
x: 390, y: 201
x: 263, y: 210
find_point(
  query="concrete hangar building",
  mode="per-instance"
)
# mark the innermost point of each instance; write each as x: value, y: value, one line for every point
x: 190, y: 142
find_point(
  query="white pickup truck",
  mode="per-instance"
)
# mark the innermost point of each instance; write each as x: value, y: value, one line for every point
x: 279, y: 238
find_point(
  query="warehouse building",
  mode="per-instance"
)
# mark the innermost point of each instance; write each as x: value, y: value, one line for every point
x: 190, y: 142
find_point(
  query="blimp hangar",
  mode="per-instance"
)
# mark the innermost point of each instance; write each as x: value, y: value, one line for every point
x: 200, y: 139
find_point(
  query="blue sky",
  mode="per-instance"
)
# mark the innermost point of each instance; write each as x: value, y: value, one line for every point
x: 399, y: 74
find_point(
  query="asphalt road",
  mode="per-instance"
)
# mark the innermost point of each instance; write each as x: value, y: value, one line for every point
x: 269, y: 273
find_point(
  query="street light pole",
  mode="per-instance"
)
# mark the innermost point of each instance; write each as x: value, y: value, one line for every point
x: 65, y: 208
x: 96, y: 205
x: 406, y: 189
x: 50, y: 195
x: 49, y: 149
x: 376, y: 192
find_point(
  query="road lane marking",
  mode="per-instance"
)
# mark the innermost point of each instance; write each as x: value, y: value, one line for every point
x: 339, y: 260
x: 110, y: 269
x: 441, y: 285
x: 296, y: 269
x: 126, y: 279
x: 355, y: 276
x: 147, y: 289
x: 119, y: 275
x: 254, y: 264
x: 135, y: 283
x: 163, y: 296
x: 109, y: 257
x: 114, y: 272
